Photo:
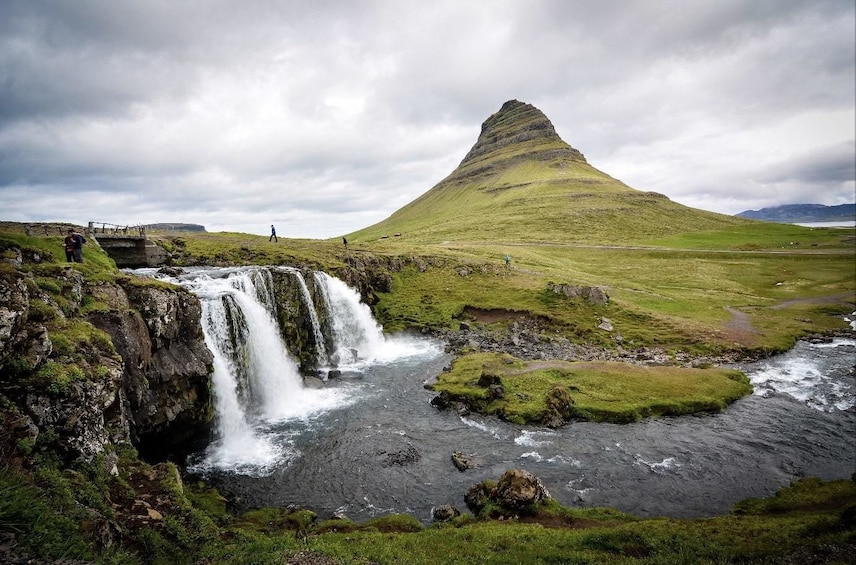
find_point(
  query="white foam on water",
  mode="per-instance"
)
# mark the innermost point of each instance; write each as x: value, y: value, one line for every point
x: 561, y: 459
x: 813, y: 380
x: 356, y: 336
x: 533, y: 455
x: 398, y: 347
x: 667, y: 464
x: 530, y: 438
x: 836, y: 342
x: 495, y: 432
x: 574, y: 486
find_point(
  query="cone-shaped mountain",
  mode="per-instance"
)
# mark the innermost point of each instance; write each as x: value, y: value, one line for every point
x: 522, y: 183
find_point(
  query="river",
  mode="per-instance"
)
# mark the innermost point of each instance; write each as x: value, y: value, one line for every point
x: 389, y: 450
x: 369, y: 443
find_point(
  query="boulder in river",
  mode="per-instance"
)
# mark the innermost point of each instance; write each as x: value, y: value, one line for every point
x: 517, y: 492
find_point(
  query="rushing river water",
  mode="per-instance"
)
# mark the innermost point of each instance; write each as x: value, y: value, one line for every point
x: 369, y: 443
x: 388, y: 450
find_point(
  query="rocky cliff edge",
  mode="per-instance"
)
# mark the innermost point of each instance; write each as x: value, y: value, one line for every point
x: 88, y: 365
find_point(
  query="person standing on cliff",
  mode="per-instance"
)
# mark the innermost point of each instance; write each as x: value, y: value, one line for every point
x: 74, y: 246
x: 68, y: 243
x: 273, y: 234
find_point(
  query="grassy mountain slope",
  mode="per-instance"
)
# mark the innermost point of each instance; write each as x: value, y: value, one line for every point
x: 521, y: 183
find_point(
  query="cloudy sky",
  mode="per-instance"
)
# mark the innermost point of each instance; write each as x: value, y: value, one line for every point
x: 324, y: 117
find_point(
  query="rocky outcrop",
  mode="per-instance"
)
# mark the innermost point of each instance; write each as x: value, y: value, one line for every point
x: 294, y: 317
x: 594, y: 294
x: 445, y: 513
x: 530, y: 338
x: 524, y: 127
x: 86, y: 366
x: 62, y: 389
x: 517, y: 492
x: 156, y: 330
x: 462, y: 462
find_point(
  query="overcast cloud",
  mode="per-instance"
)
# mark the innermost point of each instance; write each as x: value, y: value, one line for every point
x: 324, y: 117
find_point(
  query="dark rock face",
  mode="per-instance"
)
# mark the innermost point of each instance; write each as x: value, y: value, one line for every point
x: 14, y: 303
x: 139, y: 373
x: 76, y: 409
x: 516, y: 123
x: 158, y: 334
x: 294, y: 317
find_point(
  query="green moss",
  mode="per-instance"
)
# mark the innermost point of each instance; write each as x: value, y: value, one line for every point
x: 40, y: 311
x: 17, y: 367
x: 394, y: 523
x: 37, y: 522
x: 208, y: 500
x: 56, y: 377
x: 808, y: 494
x: 49, y: 285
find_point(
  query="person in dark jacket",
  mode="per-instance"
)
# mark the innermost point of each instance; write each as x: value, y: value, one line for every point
x: 74, y: 246
x: 273, y: 234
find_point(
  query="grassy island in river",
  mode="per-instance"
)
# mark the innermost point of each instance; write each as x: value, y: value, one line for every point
x: 553, y: 392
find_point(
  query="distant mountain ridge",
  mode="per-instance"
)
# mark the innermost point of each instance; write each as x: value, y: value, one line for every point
x: 171, y: 226
x: 803, y: 213
x: 521, y: 182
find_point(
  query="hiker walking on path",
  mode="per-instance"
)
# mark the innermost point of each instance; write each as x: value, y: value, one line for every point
x: 345, y: 242
x: 273, y: 234
x: 507, y: 261
x: 74, y: 246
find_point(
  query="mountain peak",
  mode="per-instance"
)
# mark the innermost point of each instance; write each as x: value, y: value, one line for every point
x: 519, y: 127
x: 521, y: 183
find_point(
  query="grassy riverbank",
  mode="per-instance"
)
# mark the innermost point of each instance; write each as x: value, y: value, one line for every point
x: 807, y: 522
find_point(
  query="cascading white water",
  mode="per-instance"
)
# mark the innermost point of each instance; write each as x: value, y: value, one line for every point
x: 321, y: 349
x: 263, y: 285
x: 260, y: 397
x: 237, y: 445
x: 356, y: 335
x: 256, y: 382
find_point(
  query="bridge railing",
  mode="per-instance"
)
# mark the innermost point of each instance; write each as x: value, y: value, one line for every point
x: 106, y: 228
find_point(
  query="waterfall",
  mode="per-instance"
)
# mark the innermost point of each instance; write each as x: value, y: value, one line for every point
x: 237, y: 444
x: 321, y: 349
x: 261, y: 400
x: 256, y: 382
x: 263, y: 283
x: 355, y: 334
